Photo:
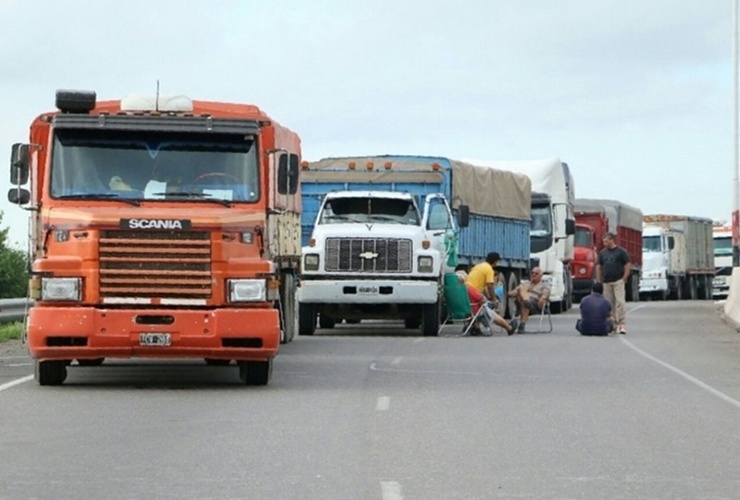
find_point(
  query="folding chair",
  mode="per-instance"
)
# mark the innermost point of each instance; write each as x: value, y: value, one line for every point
x: 458, y: 305
x: 545, y: 313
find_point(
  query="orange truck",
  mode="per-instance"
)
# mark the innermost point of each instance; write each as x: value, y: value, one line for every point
x: 160, y: 228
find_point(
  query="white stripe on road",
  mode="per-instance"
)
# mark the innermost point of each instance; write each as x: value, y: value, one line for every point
x: 397, y: 360
x: 19, y: 381
x: 384, y: 402
x: 391, y: 490
x: 682, y: 373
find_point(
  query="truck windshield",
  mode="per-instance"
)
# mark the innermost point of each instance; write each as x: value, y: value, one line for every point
x: 582, y: 237
x: 147, y: 165
x: 541, y: 224
x: 380, y: 210
x: 722, y: 246
x: 651, y: 244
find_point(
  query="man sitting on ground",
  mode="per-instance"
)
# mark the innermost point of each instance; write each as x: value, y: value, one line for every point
x: 478, y: 300
x: 595, y: 312
x: 531, y: 297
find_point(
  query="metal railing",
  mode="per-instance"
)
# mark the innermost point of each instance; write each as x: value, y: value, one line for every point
x: 14, y: 309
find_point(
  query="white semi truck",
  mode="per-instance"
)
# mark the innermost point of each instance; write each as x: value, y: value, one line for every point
x: 677, y: 257
x: 722, y: 261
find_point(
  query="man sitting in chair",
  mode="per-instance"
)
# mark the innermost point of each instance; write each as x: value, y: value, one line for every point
x: 478, y: 300
x: 532, y: 297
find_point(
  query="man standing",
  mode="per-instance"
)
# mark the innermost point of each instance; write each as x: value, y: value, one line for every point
x: 595, y: 312
x: 613, y: 269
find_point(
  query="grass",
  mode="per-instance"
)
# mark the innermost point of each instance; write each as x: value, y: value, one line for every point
x: 10, y: 331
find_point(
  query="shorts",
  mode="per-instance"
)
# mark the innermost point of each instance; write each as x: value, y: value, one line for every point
x: 532, y: 306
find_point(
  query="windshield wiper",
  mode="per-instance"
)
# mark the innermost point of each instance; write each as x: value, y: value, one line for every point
x: 100, y: 196
x: 197, y: 196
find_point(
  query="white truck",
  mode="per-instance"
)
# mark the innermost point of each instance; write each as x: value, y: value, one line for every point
x: 677, y: 257
x: 375, y: 255
x: 722, y: 261
x: 553, y: 223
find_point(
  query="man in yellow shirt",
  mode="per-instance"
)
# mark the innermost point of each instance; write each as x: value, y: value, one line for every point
x: 483, y: 277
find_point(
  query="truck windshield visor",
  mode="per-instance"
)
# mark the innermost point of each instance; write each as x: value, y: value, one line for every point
x: 147, y: 164
x: 373, y: 210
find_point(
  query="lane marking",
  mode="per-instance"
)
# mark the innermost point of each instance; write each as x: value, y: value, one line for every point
x: 15, y: 382
x: 375, y: 368
x: 682, y: 373
x: 418, y: 339
x: 384, y: 402
x: 391, y: 490
x: 397, y: 360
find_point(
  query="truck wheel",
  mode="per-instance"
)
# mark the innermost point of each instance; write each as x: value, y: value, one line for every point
x: 326, y: 321
x: 287, y: 308
x: 512, y: 281
x: 690, y: 288
x: 556, y: 307
x: 306, y: 319
x: 430, y: 319
x: 255, y: 372
x: 50, y: 372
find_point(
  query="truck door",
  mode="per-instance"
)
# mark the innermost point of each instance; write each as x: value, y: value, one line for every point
x: 440, y: 229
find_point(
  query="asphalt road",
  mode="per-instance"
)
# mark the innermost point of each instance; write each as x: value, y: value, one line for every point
x: 373, y: 412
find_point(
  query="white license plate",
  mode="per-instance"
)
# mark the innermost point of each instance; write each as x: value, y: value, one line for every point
x: 155, y: 339
x: 367, y: 290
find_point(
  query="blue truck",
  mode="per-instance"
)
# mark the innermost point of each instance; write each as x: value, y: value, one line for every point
x: 379, y: 233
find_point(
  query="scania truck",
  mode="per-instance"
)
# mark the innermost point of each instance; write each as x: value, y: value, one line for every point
x: 160, y: 228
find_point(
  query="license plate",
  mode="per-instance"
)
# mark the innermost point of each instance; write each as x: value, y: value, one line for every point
x: 367, y: 290
x: 155, y: 339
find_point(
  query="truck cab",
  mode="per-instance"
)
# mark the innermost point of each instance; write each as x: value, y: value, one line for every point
x: 657, y: 266
x: 722, y: 237
x: 585, y: 256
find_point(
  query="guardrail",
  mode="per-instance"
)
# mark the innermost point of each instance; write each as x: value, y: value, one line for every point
x: 14, y: 309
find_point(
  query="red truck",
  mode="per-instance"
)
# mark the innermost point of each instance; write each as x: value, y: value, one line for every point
x: 161, y: 228
x: 594, y: 218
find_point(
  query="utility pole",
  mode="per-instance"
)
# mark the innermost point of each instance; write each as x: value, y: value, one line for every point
x: 735, y: 156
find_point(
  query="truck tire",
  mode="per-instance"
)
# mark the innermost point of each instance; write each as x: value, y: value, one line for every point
x: 430, y: 319
x: 512, y: 281
x: 50, y: 372
x: 306, y: 319
x: 255, y: 372
x: 690, y: 291
x: 326, y: 321
x: 287, y: 308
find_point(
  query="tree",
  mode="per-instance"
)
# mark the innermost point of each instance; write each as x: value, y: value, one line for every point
x: 13, y: 268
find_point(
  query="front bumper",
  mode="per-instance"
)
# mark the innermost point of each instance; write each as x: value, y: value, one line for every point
x: 368, y: 292
x: 88, y: 332
x: 650, y: 285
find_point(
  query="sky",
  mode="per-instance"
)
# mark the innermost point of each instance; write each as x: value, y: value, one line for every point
x: 635, y: 95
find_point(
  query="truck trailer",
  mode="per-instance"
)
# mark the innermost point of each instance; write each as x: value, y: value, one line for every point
x: 381, y: 232
x: 677, y: 257
x: 594, y: 218
x: 160, y: 228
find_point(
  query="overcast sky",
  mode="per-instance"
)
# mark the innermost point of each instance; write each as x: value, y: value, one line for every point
x: 635, y: 95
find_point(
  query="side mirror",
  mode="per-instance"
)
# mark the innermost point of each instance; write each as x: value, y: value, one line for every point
x: 463, y: 216
x: 570, y: 227
x: 19, y: 196
x: 287, y: 174
x: 19, y: 161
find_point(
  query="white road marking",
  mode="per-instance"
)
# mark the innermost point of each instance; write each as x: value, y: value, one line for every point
x: 397, y: 360
x: 384, y: 402
x: 391, y: 490
x: 682, y: 373
x: 418, y: 339
x: 15, y: 382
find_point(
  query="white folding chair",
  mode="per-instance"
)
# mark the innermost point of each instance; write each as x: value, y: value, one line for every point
x: 545, y: 322
x: 482, y: 319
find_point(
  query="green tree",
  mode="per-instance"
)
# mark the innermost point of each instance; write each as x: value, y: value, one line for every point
x: 13, y: 268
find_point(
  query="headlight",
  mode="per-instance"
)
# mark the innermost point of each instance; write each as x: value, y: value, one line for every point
x: 581, y: 271
x: 311, y: 262
x: 61, y: 288
x: 425, y: 264
x: 246, y: 290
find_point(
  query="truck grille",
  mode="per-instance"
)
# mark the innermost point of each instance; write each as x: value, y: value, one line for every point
x: 163, y: 264
x: 368, y: 255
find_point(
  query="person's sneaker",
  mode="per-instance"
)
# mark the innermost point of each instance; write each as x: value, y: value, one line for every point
x: 623, y: 330
x: 521, y: 328
x: 514, y: 323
